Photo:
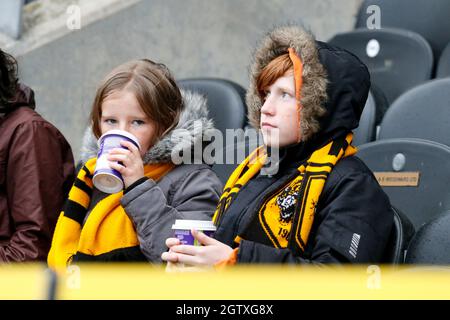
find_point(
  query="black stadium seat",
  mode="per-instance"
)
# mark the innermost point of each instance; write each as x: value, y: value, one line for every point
x: 414, y: 173
x: 367, y: 124
x: 397, y: 59
x: 423, y: 112
x: 226, y: 101
x: 430, y: 19
x: 443, y: 68
x: 431, y: 244
x: 399, y: 239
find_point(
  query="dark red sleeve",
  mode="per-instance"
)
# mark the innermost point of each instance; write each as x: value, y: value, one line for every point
x: 39, y: 167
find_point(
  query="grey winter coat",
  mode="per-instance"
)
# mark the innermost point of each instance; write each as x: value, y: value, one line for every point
x: 189, y: 191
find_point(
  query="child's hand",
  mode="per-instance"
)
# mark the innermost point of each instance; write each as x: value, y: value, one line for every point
x: 131, y: 166
x: 211, y: 251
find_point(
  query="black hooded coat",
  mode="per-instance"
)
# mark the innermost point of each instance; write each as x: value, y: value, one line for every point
x: 353, y: 218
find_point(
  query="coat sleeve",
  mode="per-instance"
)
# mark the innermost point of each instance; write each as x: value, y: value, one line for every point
x: 352, y: 225
x: 35, y: 189
x: 192, y: 196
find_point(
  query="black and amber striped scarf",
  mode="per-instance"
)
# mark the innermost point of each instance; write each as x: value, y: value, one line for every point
x: 107, y: 228
x: 284, y: 224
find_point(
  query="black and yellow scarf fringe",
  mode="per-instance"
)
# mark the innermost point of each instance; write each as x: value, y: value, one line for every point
x: 306, y: 186
x: 107, y: 228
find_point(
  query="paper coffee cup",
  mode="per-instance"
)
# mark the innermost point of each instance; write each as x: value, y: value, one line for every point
x: 182, y: 230
x: 105, y: 178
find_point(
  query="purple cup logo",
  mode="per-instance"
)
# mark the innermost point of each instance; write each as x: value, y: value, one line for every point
x: 182, y: 230
x: 106, y: 179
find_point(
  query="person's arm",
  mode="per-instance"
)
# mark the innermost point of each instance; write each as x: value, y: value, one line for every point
x: 215, y: 253
x: 354, y: 222
x: 35, y: 180
x: 193, y: 196
x: 353, y: 219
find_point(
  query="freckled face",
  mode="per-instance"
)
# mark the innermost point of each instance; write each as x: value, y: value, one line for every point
x: 279, y: 117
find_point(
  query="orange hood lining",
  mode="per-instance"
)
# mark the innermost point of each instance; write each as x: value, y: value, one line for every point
x: 298, y: 72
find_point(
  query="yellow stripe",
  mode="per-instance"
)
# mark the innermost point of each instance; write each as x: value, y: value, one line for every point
x: 269, y: 215
x: 64, y: 242
x: 319, y: 169
x: 237, y: 239
x: 315, y: 186
x: 254, y: 162
x: 101, y: 281
x: 107, y: 227
x: 258, y: 282
x: 80, y: 197
x: 89, y: 182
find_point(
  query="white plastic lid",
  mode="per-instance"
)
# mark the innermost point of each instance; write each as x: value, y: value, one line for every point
x: 107, y: 182
x: 205, y: 225
x: 119, y: 133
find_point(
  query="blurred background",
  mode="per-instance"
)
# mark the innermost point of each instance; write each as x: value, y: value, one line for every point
x: 63, y: 58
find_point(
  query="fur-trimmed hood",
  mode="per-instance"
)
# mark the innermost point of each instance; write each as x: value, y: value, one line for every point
x: 193, y: 125
x: 335, y: 82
